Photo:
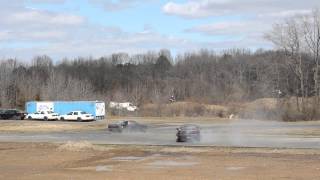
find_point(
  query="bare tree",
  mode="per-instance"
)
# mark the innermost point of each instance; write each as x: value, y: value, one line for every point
x: 311, y: 33
x: 289, y: 37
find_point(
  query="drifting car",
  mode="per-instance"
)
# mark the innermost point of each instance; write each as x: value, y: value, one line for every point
x: 188, y: 133
x: 43, y: 115
x: 78, y: 116
x: 128, y: 126
x: 12, y: 114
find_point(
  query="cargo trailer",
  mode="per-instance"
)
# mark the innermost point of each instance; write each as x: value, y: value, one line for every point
x: 96, y: 108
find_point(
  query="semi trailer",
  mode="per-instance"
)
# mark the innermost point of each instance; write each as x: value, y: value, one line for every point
x: 96, y: 108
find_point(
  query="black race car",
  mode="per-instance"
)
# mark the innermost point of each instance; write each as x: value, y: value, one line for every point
x: 188, y: 133
x: 12, y: 114
x: 127, y: 126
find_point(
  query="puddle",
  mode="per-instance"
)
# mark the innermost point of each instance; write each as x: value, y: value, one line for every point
x: 136, y: 158
x: 128, y: 158
x: 103, y: 168
x: 234, y: 168
x: 161, y: 164
x: 100, y: 168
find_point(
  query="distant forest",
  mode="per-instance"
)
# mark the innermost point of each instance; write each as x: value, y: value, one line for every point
x: 235, y: 75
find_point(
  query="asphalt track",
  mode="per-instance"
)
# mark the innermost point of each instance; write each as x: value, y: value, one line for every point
x: 241, y: 133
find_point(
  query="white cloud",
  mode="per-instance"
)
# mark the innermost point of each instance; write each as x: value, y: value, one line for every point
x: 119, y: 4
x: 19, y: 23
x: 32, y: 36
x: 232, y: 28
x: 97, y: 46
x: 49, y: 1
x: 207, y: 8
x: 26, y: 32
x: 235, y: 34
x: 241, y: 23
x: 41, y: 18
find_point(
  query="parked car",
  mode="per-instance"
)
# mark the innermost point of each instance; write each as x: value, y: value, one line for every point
x: 128, y: 126
x: 12, y: 114
x: 78, y: 116
x: 188, y: 133
x: 43, y: 115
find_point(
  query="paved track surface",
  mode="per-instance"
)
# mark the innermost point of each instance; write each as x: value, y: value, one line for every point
x: 240, y: 133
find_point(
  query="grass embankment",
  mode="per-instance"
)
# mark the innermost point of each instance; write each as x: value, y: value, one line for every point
x: 285, y: 109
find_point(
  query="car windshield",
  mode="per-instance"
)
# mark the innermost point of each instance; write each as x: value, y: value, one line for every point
x: 70, y: 113
x: 82, y: 112
x: 132, y: 122
x: 10, y: 111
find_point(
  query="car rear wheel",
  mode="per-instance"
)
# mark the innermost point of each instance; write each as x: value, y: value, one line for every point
x: 45, y: 118
x: 62, y: 119
x: 29, y: 117
x: 79, y: 119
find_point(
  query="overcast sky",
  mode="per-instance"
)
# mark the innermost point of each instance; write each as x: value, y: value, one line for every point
x: 72, y: 28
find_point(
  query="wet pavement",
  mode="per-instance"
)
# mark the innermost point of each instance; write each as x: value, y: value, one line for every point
x: 240, y: 133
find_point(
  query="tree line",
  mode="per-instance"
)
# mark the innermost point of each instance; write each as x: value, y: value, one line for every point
x: 205, y: 76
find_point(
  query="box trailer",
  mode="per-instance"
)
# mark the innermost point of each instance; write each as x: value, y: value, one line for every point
x: 96, y: 108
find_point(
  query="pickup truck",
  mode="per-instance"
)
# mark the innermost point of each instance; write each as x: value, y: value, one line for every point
x: 43, y: 115
x: 12, y: 114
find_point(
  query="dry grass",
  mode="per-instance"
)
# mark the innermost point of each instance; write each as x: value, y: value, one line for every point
x: 82, y: 146
x: 35, y: 127
x: 76, y: 146
x: 266, y: 103
x: 265, y: 108
x: 286, y: 109
x: 184, y: 109
x: 41, y: 126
